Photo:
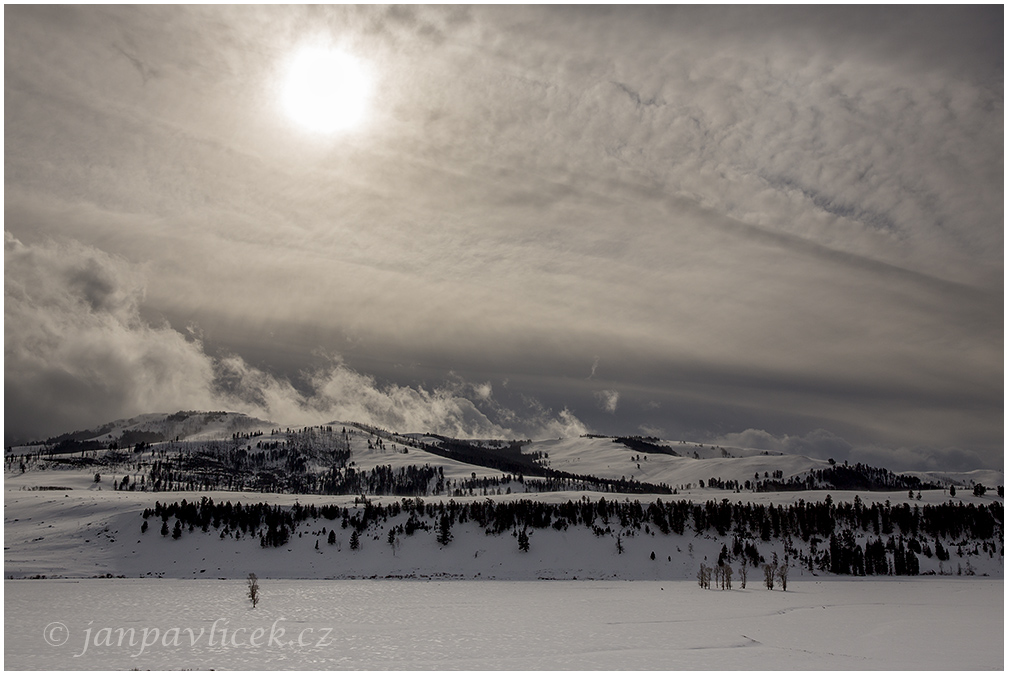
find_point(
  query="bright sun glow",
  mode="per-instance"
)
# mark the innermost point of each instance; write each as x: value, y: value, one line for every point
x: 327, y: 90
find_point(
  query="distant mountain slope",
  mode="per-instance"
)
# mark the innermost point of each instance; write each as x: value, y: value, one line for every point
x: 591, y: 506
x: 155, y: 427
x: 219, y: 449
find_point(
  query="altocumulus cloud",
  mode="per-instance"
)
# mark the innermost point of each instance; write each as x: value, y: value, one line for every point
x: 77, y: 353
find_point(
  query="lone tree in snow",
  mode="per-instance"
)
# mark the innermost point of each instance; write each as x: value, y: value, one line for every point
x: 253, y: 592
x: 355, y: 540
x: 783, y: 576
x: 742, y: 576
x: 524, y: 541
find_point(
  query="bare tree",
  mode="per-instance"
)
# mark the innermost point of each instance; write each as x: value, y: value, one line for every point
x: 704, y: 577
x: 769, y: 571
x: 253, y: 589
x: 742, y: 575
x: 783, y: 576
x: 727, y: 576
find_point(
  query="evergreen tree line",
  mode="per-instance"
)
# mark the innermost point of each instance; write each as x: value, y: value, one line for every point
x: 912, y: 532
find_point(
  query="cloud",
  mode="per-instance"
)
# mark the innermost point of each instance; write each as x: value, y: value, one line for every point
x: 77, y: 353
x: 787, y: 217
x: 483, y: 391
x: 652, y: 431
x: 824, y: 445
x: 564, y: 425
x: 75, y: 349
x: 608, y: 400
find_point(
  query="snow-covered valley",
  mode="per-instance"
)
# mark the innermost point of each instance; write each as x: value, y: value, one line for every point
x: 589, y: 507
x: 484, y: 569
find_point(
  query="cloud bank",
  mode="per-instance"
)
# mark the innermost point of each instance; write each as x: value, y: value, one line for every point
x: 73, y: 331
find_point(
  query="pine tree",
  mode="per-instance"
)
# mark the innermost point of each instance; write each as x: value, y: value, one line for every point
x: 391, y: 539
x: 332, y: 538
x: 444, y: 530
x: 523, y: 541
x: 355, y: 540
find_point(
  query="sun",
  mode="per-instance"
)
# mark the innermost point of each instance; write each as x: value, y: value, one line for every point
x: 327, y: 90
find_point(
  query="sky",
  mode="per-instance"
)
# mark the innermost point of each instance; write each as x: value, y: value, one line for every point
x: 777, y: 227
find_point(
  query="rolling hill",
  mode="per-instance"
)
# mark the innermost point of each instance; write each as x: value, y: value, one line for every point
x: 350, y: 500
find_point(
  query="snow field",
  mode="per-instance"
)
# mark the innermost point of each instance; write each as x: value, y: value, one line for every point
x: 395, y: 624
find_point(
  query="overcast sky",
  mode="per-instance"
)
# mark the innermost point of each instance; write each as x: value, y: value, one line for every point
x: 777, y: 227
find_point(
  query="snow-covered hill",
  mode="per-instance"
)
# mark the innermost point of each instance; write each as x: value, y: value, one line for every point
x: 183, y: 425
x: 74, y: 507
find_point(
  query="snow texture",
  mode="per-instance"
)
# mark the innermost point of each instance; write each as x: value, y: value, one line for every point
x: 395, y: 625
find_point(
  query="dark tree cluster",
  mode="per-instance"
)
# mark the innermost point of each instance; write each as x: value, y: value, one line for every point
x: 510, y: 458
x: 857, y: 477
x: 748, y: 524
x: 646, y: 445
